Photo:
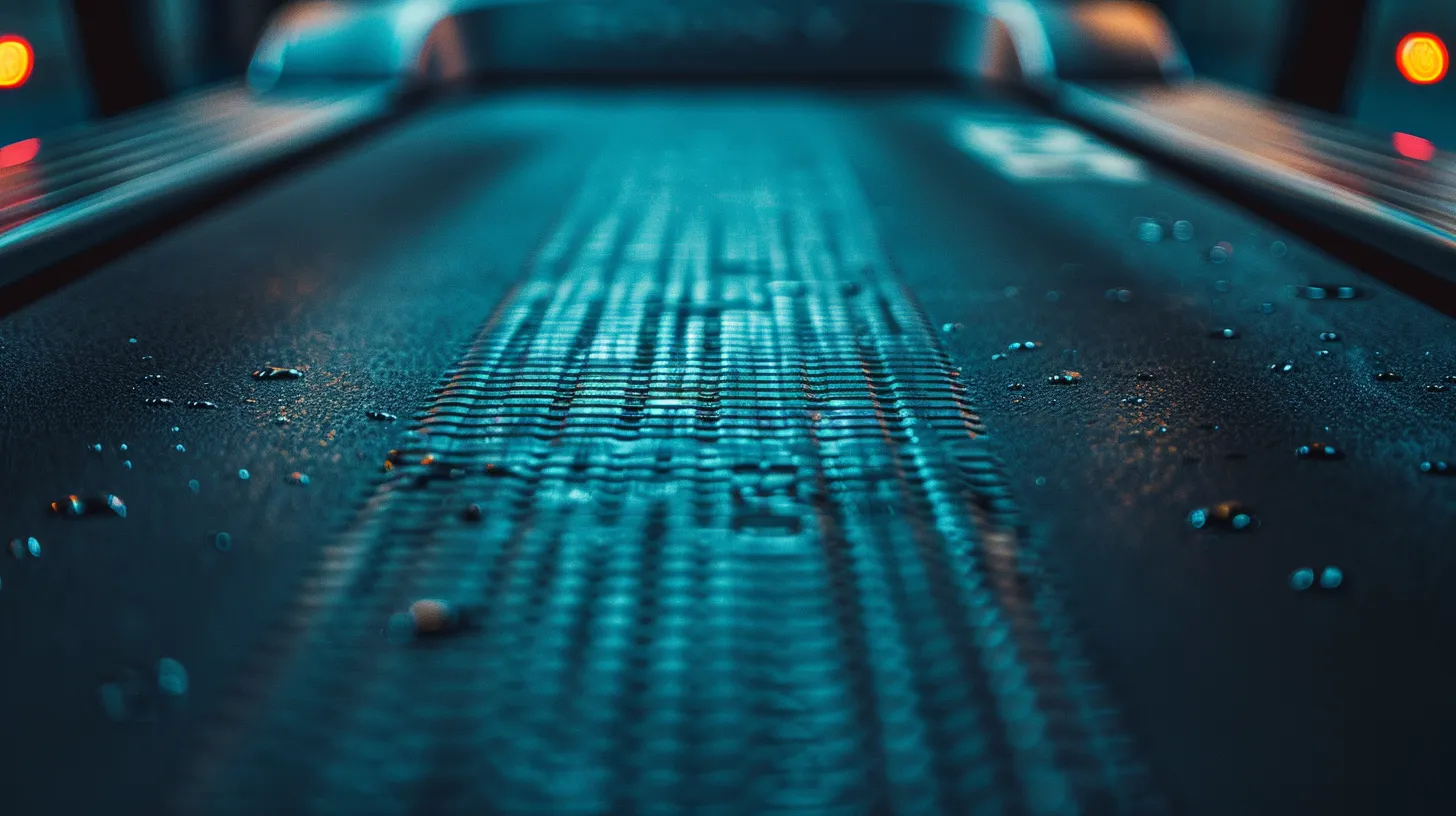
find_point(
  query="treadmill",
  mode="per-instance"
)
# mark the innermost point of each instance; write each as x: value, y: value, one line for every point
x: 833, y: 407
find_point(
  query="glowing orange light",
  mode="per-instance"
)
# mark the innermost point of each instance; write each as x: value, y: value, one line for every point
x: 1413, y: 147
x: 17, y: 59
x: 19, y: 153
x: 1422, y: 58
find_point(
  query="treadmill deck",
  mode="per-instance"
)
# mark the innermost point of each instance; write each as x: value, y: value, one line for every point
x: 744, y: 496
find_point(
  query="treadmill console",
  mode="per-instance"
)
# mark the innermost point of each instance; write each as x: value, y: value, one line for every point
x: 1037, y: 42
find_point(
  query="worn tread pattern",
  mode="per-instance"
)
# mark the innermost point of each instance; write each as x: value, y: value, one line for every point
x: 743, y: 544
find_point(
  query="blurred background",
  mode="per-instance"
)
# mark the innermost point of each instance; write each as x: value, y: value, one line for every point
x: 1332, y: 55
x: 97, y: 58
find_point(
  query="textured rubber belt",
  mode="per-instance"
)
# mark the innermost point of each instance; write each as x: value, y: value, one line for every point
x: 738, y: 546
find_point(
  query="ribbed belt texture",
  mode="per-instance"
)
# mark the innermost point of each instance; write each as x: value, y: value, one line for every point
x: 742, y: 545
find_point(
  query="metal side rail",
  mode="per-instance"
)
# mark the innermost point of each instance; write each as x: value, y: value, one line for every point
x: 1350, y: 180
x: 95, y: 183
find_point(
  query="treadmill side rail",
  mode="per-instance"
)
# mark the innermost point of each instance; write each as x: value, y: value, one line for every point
x: 95, y: 183
x: 1349, y: 180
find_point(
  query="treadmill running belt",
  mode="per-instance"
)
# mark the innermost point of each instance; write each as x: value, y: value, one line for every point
x: 717, y: 527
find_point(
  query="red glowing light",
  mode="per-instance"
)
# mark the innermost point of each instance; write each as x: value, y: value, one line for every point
x: 19, y: 153
x: 1413, y: 147
x: 17, y: 60
x: 1422, y: 58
